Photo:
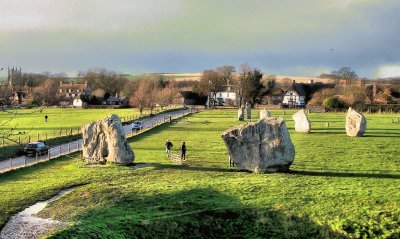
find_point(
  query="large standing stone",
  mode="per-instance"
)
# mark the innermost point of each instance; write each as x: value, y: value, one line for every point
x: 301, y: 122
x: 264, y: 113
x: 263, y: 146
x: 104, y: 141
x: 248, y: 110
x: 355, y: 123
x: 241, y: 113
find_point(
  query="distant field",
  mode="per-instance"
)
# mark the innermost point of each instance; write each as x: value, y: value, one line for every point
x: 340, y: 187
x: 31, y: 122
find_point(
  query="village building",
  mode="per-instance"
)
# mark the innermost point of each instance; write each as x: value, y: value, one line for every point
x: 226, y: 96
x: 295, y: 96
x: 68, y: 91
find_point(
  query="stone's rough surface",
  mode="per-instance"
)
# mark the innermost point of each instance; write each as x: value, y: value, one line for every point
x: 264, y: 146
x: 248, y: 110
x: 241, y: 113
x: 104, y: 141
x: 264, y: 113
x: 301, y: 122
x: 355, y: 123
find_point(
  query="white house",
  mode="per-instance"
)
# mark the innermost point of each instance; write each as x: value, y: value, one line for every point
x: 226, y: 96
x: 77, y: 103
x: 295, y: 96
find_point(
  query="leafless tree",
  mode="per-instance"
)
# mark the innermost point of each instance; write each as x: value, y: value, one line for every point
x: 109, y: 81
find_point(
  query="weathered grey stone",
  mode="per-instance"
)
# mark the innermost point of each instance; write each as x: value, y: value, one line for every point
x: 104, y: 141
x: 301, y: 122
x: 264, y: 113
x: 241, y: 113
x: 355, y: 123
x: 248, y: 110
x: 263, y: 146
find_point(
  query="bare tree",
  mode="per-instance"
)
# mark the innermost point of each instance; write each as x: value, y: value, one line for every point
x: 109, y: 81
x: 285, y: 84
x: 346, y: 74
x: 145, y: 96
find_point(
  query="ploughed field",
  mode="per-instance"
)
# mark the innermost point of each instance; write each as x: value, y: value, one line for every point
x: 338, y: 186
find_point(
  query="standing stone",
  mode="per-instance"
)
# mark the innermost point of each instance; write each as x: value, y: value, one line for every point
x: 262, y: 146
x: 264, y: 113
x: 248, y: 110
x: 301, y: 122
x: 104, y: 141
x: 355, y: 123
x: 241, y: 113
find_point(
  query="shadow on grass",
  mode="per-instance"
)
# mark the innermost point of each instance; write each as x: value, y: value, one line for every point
x: 193, y: 213
x: 345, y: 175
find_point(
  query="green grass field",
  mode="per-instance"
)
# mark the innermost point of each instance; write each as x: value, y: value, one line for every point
x: 338, y: 186
x: 31, y: 122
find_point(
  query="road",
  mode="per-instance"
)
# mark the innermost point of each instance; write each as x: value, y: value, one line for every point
x: 65, y: 149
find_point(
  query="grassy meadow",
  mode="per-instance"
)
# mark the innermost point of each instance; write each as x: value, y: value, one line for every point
x: 31, y: 122
x: 338, y: 187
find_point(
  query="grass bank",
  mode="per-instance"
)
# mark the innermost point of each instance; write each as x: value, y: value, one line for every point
x: 339, y: 186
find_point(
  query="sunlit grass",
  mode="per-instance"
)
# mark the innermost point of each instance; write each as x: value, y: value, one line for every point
x: 339, y: 186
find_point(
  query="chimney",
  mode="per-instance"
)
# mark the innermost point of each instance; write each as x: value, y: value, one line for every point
x: 374, y: 90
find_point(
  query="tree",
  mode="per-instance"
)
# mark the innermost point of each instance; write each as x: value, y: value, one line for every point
x: 145, y: 96
x: 248, y: 83
x: 210, y: 83
x: 167, y: 95
x: 109, y: 81
x: 344, y: 73
x: 226, y: 72
x: 285, y: 84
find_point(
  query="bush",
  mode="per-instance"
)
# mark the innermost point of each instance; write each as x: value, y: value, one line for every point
x: 331, y: 102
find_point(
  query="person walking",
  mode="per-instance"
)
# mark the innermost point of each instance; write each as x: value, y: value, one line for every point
x: 46, y: 117
x: 168, y: 146
x: 183, y: 151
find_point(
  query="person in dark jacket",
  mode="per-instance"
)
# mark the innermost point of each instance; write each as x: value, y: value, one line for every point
x: 183, y: 151
x: 168, y: 146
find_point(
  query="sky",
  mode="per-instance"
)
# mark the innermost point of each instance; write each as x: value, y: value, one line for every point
x: 283, y: 37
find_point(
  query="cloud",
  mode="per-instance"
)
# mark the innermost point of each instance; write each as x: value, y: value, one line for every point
x: 387, y: 71
x: 283, y: 37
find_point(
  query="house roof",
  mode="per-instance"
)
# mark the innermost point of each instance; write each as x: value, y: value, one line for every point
x: 274, y: 92
x: 298, y: 87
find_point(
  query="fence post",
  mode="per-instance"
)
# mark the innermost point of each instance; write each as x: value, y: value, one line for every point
x: 48, y: 154
x: 19, y: 139
x: 60, y: 151
x: 37, y: 157
x: 38, y: 138
x: 25, y: 161
x: 69, y: 147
